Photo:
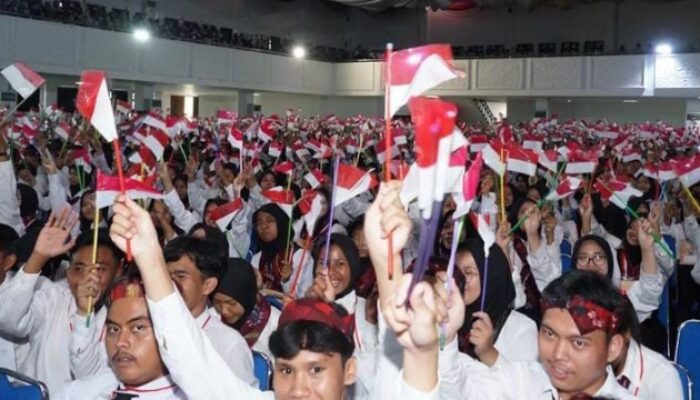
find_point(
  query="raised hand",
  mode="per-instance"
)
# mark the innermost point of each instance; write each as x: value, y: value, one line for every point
x: 586, y: 207
x: 48, y: 162
x: 132, y: 222
x: 88, y: 291
x: 322, y: 288
x: 54, y: 237
x: 531, y: 225
x: 481, y: 336
x: 386, y: 216
x: 454, y: 304
x: 645, y: 234
x: 503, y: 237
x: 285, y: 270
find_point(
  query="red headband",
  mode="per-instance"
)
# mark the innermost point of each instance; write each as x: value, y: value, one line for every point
x: 126, y: 289
x: 587, y: 315
x: 317, y: 311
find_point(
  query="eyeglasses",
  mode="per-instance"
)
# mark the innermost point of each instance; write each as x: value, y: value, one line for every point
x: 598, y: 258
x: 470, y: 275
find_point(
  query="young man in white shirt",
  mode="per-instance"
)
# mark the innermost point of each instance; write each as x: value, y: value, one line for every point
x: 579, y: 336
x: 136, y: 368
x: 44, y: 312
x: 191, y: 359
x: 196, y: 267
x: 8, y: 258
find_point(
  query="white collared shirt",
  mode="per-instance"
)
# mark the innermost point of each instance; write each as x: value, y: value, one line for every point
x: 196, y: 367
x: 262, y: 344
x: 460, y: 378
x: 650, y: 375
x: 42, y: 312
x: 230, y: 345
x: 103, y: 386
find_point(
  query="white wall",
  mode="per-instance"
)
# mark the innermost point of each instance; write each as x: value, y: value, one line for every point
x: 278, y: 103
x: 636, y: 22
x: 208, y: 105
x: 668, y: 110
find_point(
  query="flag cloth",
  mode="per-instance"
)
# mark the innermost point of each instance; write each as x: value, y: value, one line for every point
x: 417, y: 70
x: 23, y: 79
x: 283, y: 198
x: 310, y: 207
x: 286, y: 167
x: 315, y: 178
x: 581, y: 162
x: 435, y: 131
x: 521, y: 160
x: 688, y: 170
x: 548, y: 159
x: 93, y: 103
x: 157, y: 141
x: 225, y: 213
x: 155, y: 121
x: 351, y: 181
x: 123, y: 107
x: 482, y: 226
x: 235, y: 138
x: 617, y: 191
x: 492, y: 156
x: 470, y: 186
x: 108, y: 189
x: 224, y: 117
x: 63, y: 130
x: 662, y: 173
x: 566, y: 188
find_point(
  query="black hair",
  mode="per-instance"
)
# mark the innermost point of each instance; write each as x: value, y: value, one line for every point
x: 8, y: 240
x: 205, y: 254
x: 231, y: 167
x: 85, y: 239
x: 212, y: 234
x: 357, y: 223
x: 587, y: 285
x: 602, y: 243
x: 29, y: 204
x: 286, y: 342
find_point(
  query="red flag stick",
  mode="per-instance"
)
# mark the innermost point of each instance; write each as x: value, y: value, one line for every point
x: 120, y: 171
x: 387, y: 142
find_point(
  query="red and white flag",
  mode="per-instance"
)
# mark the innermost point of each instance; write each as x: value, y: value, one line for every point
x: 523, y: 161
x: 310, y: 206
x: 235, y: 138
x: 283, y: 198
x: 470, y: 186
x: 123, y: 107
x: 108, y: 188
x: 157, y: 141
x: 435, y: 136
x: 482, y: 226
x: 566, y: 188
x: 631, y: 154
x: 225, y: 213
x: 495, y: 156
x: 662, y: 173
x: 286, y: 168
x: 380, y: 148
x: 94, y: 105
x: 532, y: 142
x: 688, y: 170
x: 266, y: 131
x: 315, y: 178
x: 478, y: 143
x: 275, y: 149
x: 63, y: 130
x: 548, y: 159
x: 617, y: 191
x: 581, y: 162
x: 226, y: 117
x: 81, y: 158
x: 350, y: 182
x: 154, y: 120
x: 22, y: 79
x: 417, y: 70
x: 146, y: 157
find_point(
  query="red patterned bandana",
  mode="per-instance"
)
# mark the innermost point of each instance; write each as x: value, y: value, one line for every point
x: 588, y: 316
x: 126, y: 289
x: 317, y: 311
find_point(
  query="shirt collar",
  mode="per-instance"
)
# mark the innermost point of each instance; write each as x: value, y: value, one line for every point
x: 161, y: 385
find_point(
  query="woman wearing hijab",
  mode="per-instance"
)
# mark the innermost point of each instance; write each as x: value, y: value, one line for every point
x: 243, y: 308
x: 336, y: 283
x: 274, y: 272
x: 499, y: 329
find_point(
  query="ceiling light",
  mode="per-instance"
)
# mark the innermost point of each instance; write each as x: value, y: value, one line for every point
x: 630, y: 101
x: 141, y: 35
x: 299, y: 52
x: 664, y: 48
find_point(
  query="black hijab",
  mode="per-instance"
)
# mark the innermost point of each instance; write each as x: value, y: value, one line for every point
x: 350, y: 251
x: 603, y: 245
x: 239, y: 283
x: 271, y: 249
x: 500, y: 290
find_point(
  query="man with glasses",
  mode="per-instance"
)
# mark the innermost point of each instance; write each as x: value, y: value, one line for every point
x: 45, y: 313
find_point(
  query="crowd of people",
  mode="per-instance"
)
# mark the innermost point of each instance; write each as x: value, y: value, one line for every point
x: 170, y: 295
x: 121, y: 20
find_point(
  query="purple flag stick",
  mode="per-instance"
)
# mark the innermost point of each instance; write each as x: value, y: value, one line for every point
x: 330, y: 213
